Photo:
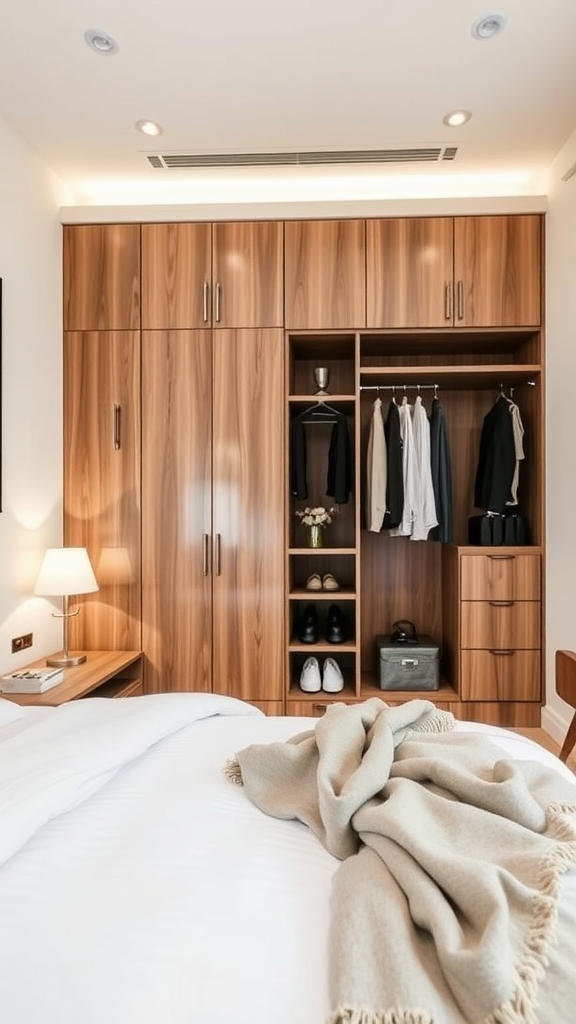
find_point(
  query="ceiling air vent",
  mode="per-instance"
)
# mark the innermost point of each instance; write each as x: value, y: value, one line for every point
x: 179, y: 161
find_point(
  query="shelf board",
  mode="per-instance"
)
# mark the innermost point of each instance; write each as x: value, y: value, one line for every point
x: 342, y: 594
x: 461, y: 377
x: 296, y: 647
x: 322, y: 551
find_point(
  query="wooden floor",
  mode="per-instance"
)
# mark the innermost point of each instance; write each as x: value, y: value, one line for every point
x: 541, y: 737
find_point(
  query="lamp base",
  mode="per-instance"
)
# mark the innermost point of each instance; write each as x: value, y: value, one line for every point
x: 66, y: 662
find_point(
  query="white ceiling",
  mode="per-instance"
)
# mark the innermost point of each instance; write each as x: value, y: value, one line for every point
x: 225, y: 76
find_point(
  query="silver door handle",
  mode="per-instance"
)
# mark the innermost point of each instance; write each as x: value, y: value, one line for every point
x: 217, y: 540
x: 205, y: 554
x: 205, y: 300
x: 460, y: 292
x: 502, y: 604
x: 218, y: 293
x: 116, y: 425
x: 448, y: 300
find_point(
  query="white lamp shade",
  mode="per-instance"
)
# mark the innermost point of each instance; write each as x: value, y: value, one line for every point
x: 66, y: 571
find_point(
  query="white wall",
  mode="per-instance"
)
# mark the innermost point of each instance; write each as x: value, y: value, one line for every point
x: 30, y: 268
x: 560, y: 427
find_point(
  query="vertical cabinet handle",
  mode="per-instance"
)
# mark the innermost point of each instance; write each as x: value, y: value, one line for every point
x: 460, y: 293
x: 116, y: 425
x: 205, y: 554
x: 218, y: 294
x: 205, y: 300
x: 448, y: 300
x: 217, y: 540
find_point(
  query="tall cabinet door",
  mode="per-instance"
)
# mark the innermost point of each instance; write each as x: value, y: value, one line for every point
x: 102, y: 481
x: 248, y: 514
x: 409, y: 272
x: 176, y: 496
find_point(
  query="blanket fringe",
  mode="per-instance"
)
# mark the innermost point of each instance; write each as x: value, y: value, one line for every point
x: 233, y: 772
x: 521, y: 1008
x: 349, y: 1015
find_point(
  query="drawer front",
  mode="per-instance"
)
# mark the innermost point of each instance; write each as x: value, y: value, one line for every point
x: 500, y: 577
x: 501, y: 624
x: 501, y: 675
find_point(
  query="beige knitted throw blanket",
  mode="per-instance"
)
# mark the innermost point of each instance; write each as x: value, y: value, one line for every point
x: 445, y: 904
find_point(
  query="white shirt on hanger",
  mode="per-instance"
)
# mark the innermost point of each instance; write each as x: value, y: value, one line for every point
x: 424, y: 502
x: 376, y: 471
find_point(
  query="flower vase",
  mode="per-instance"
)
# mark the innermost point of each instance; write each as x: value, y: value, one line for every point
x: 315, y: 538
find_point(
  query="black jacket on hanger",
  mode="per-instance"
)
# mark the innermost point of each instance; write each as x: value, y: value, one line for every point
x: 441, y: 467
x: 395, y: 477
x: 339, y: 473
x: 496, y: 459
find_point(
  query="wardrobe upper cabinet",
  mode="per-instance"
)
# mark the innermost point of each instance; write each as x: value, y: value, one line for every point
x: 409, y: 272
x: 498, y: 271
x: 212, y: 275
x: 454, y: 271
x: 325, y: 284
x: 101, y: 271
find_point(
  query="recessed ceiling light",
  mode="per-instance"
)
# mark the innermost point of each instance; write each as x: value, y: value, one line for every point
x: 457, y: 117
x: 101, y: 42
x: 148, y: 127
x: 489, y: 25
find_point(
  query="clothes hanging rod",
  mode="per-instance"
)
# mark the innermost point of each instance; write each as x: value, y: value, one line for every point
x: 399, y: 387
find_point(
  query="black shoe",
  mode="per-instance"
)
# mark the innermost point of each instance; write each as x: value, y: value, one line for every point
x: 335, y: 632
x: 308, y: 625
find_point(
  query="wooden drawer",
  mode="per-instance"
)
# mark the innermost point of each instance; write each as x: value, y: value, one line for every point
x: 500, y: 675
x: 314, y: 708
x: 501, y: 624
x: 500, y: 577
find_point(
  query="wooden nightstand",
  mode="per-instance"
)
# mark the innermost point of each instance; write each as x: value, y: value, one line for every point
x: 103, y: 674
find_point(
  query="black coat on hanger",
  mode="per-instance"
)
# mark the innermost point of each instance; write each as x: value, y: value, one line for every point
x: 339, y: 470
x: 496, y: 458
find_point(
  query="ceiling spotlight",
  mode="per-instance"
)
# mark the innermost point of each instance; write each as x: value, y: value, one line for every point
x: 101, y: 42
x: 488, y: 26
x: 457, y: 117
x: 149, y: 127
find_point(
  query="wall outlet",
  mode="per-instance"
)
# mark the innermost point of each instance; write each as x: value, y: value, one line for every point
x: 20, y: 643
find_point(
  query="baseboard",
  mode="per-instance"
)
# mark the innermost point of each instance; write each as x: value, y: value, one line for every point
x: 554, y: 724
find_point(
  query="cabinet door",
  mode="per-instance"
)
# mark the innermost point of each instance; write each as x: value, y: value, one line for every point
x: 176, y: 496
x: 409, y: 272
x: 102, y: 482
x: 176, y: 276
x: 248, y: 510
x: 498, y: 271
x: 325, y: 277
x: 101, y: 271
x: 248, y: 275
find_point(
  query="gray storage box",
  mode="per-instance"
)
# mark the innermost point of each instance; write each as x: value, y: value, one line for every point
x: 408, y: 666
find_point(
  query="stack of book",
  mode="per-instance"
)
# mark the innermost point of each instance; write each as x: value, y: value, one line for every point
x: 36, y: 680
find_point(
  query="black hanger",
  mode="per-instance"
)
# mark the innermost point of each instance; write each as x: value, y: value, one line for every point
x: 323, y: 413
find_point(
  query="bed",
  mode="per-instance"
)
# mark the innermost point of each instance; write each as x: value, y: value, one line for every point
x: 140, y: 885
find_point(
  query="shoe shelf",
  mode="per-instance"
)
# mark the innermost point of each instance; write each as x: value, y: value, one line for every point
x: 342, y: 594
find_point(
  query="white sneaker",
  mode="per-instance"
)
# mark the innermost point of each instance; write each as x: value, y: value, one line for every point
x: 310, y: 680
x: 332, y: 679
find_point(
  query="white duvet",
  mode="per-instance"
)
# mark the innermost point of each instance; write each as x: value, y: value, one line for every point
x: 138, y: 886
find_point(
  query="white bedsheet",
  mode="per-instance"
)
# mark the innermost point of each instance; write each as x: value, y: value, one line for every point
x: 163, y: 896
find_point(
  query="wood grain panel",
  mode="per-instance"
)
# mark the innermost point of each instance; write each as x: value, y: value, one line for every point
x: 409, y: 272
x: 248, y: 268
x: 176, y: 276
x: 501, y: 577
x: 102, y: 483
x: 504, y: 675
x: 101, y: 277
x: 249, y: 482
x: 486, y: 624
x: 176, y: 494
x: 325, y: 274
x: 498, y: 261
x: 507, y: 714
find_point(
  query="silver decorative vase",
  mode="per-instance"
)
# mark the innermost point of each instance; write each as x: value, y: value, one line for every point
x: 322, y: 378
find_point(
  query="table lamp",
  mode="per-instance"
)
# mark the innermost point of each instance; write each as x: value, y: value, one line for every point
x: 66, y: 571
